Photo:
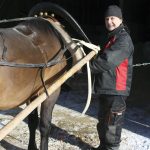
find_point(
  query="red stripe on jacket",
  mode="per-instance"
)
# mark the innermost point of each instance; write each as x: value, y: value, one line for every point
x: 110, y: 42
x: 121, y: 75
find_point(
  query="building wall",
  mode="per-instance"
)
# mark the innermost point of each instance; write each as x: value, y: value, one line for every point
x: 15, y: 8
x: 89, y: 14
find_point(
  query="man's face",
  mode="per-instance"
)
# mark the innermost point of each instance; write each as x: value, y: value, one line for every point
x: 112, y: 22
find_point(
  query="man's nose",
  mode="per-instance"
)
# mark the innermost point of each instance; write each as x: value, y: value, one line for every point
x: 109, y: 20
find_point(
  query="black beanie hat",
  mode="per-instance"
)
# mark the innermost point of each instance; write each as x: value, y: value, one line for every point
x: 113, y: 10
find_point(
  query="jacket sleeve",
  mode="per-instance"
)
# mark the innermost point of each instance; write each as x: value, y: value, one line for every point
x: 113, y: 56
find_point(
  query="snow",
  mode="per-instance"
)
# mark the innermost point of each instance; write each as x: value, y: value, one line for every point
x: 72, y: 131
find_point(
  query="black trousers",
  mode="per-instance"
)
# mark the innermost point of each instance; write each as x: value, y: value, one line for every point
x: 111, y: 115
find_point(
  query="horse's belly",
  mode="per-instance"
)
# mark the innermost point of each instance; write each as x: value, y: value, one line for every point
x: 13, y: 97
x: 16, y: 85
x: 8, y: 104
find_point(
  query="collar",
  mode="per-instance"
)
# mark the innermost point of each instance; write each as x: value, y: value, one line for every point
x: 115, y: 31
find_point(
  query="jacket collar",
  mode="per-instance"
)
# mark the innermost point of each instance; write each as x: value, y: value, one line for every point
x: 116, y: 31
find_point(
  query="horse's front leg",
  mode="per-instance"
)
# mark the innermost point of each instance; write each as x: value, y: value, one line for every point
x: 33, y: 122
x: 45, y: 118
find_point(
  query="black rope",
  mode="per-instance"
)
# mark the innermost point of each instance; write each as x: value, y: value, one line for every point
x: 43, y: 83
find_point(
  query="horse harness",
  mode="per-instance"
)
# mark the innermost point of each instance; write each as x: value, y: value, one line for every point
x: 55, y: 60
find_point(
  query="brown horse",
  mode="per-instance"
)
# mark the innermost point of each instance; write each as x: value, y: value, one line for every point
x: 26, y: 50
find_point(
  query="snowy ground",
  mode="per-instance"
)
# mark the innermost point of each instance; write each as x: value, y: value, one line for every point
x: 71, y: 131
x: 136, y: 131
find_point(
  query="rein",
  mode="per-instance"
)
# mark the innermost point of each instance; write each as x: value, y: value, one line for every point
x: 50, y: 63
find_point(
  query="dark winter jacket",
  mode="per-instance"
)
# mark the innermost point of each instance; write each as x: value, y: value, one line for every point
x: 113, y: 66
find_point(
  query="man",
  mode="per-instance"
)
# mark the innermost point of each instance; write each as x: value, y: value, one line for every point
x: 113, y: 74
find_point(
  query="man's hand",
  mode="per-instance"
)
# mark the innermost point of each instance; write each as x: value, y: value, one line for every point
x: 91, y: 46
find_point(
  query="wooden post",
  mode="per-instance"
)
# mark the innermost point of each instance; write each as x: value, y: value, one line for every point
x: 24, y: 113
